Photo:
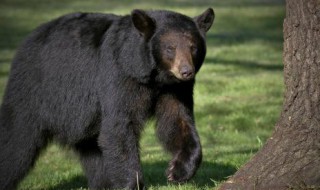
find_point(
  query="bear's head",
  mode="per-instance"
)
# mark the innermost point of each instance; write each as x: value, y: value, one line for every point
x: 177, y: 42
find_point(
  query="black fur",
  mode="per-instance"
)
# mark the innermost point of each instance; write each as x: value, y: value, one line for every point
x: 90, y: 81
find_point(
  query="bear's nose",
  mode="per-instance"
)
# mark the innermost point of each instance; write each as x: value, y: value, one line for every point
x: 186, y: 72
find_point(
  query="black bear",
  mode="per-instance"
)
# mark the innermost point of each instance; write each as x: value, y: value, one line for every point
x: 90, y: 81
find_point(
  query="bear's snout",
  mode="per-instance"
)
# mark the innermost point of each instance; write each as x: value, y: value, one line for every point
x: 182, y: 68
x: 186, y: 72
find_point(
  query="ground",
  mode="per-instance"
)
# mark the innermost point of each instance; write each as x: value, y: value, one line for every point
x: 238, y: 93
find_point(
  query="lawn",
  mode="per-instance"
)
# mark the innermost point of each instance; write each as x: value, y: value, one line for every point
x: 238, y: 94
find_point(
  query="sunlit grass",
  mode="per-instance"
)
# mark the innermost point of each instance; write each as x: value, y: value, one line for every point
x: 238, y: 93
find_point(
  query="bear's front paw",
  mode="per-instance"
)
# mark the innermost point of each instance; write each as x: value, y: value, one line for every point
x: 179, y: 172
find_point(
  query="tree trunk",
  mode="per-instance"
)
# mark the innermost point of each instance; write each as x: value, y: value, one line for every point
x: 290, y: 159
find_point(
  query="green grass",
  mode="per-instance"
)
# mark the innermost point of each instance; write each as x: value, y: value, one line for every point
x: 238, y: 94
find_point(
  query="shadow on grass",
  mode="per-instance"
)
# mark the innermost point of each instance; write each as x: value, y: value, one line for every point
x: 242, y: 151
x: 77, y: 182
x: 154, y: 175
x: 246, y: 64
x: 209, y: 173
x: 249, y: 34
x: 206, y: 176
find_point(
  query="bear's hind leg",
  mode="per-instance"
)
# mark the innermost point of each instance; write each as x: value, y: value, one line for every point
x: 20, y: 145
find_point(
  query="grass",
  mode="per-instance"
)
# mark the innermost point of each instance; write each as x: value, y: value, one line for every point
x: 238, y: 94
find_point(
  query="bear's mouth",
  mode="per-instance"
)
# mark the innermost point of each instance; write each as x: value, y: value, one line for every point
x: 182, y: 74
x: 177, y: 76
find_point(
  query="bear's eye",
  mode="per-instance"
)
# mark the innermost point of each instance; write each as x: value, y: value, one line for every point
x: 193, y: 49
x: 170, y: 48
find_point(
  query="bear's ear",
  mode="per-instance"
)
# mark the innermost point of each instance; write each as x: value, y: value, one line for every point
x: 205, y: 20
x: 143, y: 23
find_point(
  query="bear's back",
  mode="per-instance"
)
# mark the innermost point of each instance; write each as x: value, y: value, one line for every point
x: 57, y: 64
x: 82, y: 28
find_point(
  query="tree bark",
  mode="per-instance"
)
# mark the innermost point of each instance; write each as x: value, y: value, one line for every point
x: 290, y: 159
